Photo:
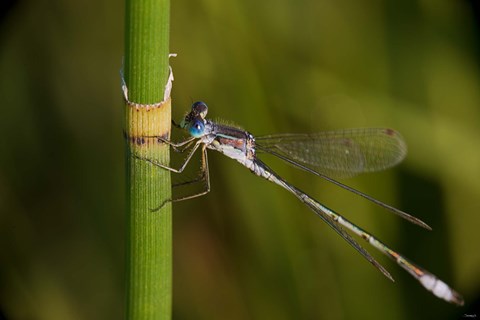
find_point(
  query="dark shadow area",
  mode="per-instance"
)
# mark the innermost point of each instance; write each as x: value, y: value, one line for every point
x: 423, y: 197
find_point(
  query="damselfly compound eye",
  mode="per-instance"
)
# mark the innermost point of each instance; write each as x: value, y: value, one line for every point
x: 200, y: 108
x: 197, y: 128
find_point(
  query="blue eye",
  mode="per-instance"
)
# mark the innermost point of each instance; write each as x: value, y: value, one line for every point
x: 197, y: 128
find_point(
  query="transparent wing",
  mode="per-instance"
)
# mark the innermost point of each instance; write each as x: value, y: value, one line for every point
x: 341, y: 154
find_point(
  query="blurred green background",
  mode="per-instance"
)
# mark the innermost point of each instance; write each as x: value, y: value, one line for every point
x: 248, y: 250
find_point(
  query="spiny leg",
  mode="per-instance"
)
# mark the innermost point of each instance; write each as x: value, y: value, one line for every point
x: 176, y: 146
x: 200, y: 178
x: 204, y: 177
x: 182, y: 167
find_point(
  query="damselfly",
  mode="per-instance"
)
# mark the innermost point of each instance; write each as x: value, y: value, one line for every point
x: 338, y: 153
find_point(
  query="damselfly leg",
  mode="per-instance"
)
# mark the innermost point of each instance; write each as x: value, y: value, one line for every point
x: 204, y: 172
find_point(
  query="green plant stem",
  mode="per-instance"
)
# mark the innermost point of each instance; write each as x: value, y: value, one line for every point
x: 149, y: 233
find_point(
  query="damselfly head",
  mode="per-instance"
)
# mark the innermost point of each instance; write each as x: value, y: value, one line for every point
x: 194, y: 121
